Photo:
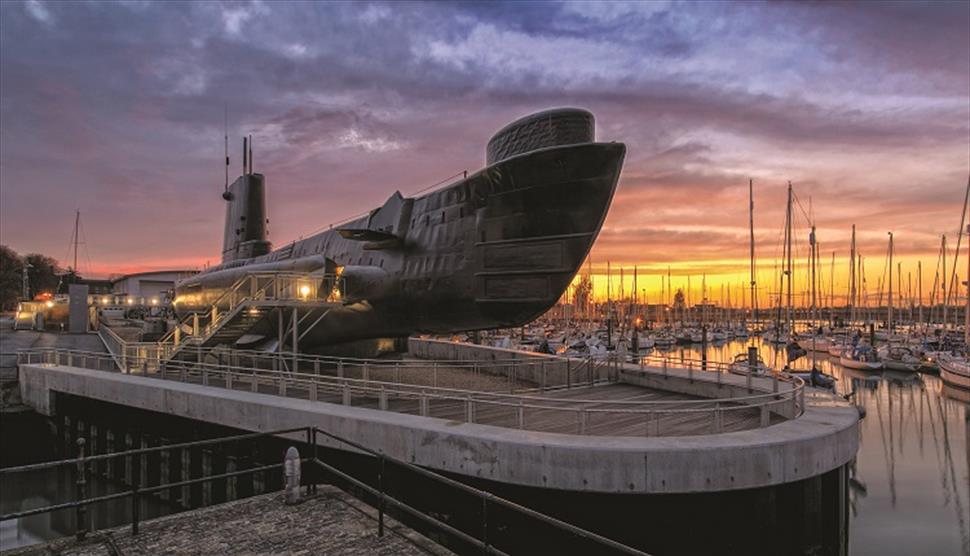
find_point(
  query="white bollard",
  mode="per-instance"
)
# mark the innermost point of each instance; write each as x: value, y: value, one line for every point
x: 291, y: 467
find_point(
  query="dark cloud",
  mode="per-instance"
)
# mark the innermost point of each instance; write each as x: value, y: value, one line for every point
x: 117, y: 108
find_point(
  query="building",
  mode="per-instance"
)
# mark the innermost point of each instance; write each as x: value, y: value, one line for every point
x: 142, y: 286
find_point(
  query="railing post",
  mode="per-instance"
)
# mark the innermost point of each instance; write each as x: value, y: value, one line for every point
x: 748, y: 379
x: 313, y: 448
x: 228, y: 379
x: 485, y: 521
x: 282, y: 386
x: 589, y: 371
x: 340, y: 369
x: 719, y: 372
x: 774, y: 384
x: 434, y: 374
x: 135, y: 509
x: 512, y: 378
x: 313, y: 391
x: 382, y: 399
x: 582, y: 421
x: 765, y: 417
x: 542, y: 376
x: 423, y: 404
x: 205, y: 376
x: 665, y: 367
x: 80, y: 511
x: 521, y: 415
x: 135, y: 496
x: 718, y: 418
x: 469, y: 411
x: 253, y: 385
x: 316, y: 367
x: 380, y: 506
x: 690, y: 371
x: 346, y: 394
x: 365, y: 373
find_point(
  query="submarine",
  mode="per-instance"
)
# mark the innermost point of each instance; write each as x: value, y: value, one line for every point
x: 496, y: 248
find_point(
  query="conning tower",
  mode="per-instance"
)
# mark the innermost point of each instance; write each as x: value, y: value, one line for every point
x: 246, y: 232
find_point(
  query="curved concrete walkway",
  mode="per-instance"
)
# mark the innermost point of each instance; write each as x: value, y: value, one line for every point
x: 825, y: 437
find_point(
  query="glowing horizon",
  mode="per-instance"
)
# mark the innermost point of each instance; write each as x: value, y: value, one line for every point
x: 864, y: 108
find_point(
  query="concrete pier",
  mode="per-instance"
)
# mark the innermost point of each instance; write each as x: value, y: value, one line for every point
x: 823, y: 438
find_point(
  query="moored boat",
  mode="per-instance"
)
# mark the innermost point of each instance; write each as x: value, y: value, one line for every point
x: 742, y: 366
x: 955, y: 370
x: 899, y: 358
x: 861, y: 357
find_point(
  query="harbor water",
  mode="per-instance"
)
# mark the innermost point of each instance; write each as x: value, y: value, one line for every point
x: 909, y: 488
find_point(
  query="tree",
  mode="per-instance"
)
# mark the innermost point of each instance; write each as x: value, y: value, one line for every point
x: 43, y: 274
x: 11, y: 268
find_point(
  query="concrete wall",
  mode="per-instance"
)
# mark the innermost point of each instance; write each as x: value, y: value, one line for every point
x: 825, y: 438
x: 78, y: 316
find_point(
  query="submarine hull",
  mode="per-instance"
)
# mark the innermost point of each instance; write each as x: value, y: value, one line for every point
x: 495, y: 249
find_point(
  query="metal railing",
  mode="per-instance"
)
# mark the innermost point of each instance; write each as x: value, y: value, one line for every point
x: 510, y: 410
x: 485, y: 536
x: 257, y: 287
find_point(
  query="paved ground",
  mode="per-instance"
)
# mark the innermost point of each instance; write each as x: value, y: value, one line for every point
x: 13, y: 340
x: 332, y: 523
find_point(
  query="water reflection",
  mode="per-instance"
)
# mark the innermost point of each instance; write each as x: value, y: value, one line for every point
x: 910, y: 486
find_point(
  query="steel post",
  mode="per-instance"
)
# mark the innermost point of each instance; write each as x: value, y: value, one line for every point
x: 80, y: 493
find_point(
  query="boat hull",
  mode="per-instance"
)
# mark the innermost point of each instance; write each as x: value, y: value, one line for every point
x: 860, y: 365
x: 955, y: 372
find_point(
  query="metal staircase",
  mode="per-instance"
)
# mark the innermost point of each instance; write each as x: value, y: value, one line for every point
x: 242, y: 306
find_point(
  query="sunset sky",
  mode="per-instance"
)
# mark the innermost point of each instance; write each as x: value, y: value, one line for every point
x: 116, y: 109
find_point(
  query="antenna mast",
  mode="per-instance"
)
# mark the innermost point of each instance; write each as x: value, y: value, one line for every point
x: 225, y: 127
x: 77, y: 222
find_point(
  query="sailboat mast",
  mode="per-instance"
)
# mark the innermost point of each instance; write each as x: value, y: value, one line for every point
x: 943, y: 248
x: 919, y: 289
x: 900, y: 301
x: 814, y: 259
x: 754, y: 295
x: 77, y: 223
x: 852, y: 279
x: 889, y: 324
x: 788, y: 271
x: 832, y: 289
x: 954, y: 281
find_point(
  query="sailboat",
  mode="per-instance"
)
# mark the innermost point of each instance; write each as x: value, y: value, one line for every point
x: 861, y: 357
x: 899, y: 358
x: 954, y: 368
